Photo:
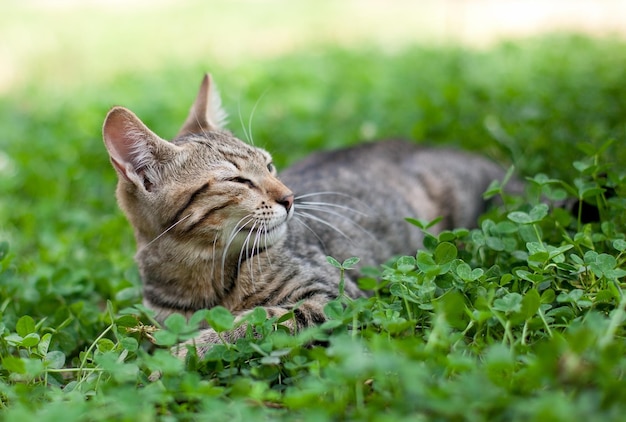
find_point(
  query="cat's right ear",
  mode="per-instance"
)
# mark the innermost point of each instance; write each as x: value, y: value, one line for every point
x: 206, y: 113
x: 133, y: 148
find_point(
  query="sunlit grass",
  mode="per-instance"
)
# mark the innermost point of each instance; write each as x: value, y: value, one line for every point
x: 520, y: 319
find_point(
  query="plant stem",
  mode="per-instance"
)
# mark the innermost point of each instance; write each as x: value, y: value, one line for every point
x: 616, y: 319
x: 90, y: 350
x: 545, y: 323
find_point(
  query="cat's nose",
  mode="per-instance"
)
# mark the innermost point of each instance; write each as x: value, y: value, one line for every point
x: 286, y: 201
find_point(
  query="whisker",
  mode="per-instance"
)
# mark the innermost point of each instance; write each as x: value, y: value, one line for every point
x: 262, y: 234
x: 326, y: 223
x: 236, y: 230
x: 213, y: 255
x: 331, y: 212
x: 269, y: 258
x: 166, y: 230
x: 243, y: 126
x: 258, y: 101
x: 342, y: 194
x: 328, y: 211
x: 301, y: 221
x: 329, y: 204
x: 346, y: 218
x: 251, y: 254
x: 246, y: 242
x: 257, y: 244
x: 244, y: 248
x: 328, y: 192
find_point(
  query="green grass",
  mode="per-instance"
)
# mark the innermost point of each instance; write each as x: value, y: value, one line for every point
x: 520, y: 319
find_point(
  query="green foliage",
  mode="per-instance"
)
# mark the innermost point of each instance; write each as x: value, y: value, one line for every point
x: 521, y: 318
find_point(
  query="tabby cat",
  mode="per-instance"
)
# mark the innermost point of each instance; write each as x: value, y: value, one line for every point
x: 216, y: 225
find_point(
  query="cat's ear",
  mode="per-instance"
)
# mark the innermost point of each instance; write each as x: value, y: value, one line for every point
x: 134, y: 149
x: 206, y: 113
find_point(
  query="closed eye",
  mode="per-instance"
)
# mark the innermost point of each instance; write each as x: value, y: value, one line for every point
x: 243, y: 181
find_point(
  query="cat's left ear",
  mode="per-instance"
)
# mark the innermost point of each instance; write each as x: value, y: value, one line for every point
x: 206, y: 113
x: 135, y: 150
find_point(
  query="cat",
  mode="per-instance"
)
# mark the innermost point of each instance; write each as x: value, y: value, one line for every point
x: 216, y: 225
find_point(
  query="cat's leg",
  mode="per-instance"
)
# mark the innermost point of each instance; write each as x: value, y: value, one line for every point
x: 306, y: 314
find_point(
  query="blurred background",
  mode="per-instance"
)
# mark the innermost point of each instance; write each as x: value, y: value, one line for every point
x: 80, y: 41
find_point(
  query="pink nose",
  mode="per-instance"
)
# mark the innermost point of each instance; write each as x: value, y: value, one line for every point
x: 286, y: 201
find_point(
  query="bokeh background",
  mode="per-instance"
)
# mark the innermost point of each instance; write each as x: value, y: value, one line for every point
x: 537, y: 84
x: 68, y: 42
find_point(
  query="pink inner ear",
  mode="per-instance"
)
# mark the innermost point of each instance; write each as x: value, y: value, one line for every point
x: 120, y: 168
x: 126, y: 139
x: 133, y: 147
x: 118, y: 138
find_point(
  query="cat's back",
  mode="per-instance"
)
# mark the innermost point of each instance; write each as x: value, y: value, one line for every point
x: 354, y: 200
x: 387, y: 162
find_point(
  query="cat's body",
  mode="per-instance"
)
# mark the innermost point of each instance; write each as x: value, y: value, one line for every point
x: 215, y: 225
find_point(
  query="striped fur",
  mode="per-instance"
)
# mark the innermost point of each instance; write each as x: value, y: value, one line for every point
x: 215, y: 224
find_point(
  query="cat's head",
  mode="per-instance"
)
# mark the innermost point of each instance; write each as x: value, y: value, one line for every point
x: 205, y: 189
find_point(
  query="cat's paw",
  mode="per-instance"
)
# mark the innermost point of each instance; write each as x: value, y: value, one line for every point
x: 204, y: 341
x: 202, y: 344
